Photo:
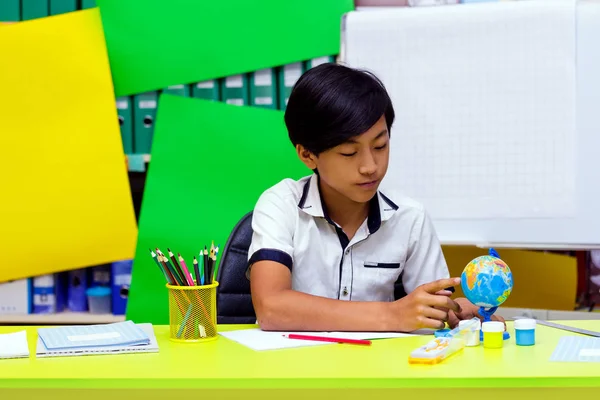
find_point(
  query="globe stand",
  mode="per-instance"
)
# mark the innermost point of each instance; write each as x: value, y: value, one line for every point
x: 487, y: 316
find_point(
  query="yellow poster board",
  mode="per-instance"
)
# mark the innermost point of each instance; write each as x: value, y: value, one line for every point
x: 65, y: 201
x: 541, y: 280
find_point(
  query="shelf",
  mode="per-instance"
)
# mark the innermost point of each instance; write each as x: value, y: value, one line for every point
x: 66, y: 317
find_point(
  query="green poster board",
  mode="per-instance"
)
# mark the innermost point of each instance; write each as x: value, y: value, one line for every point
x: 153, y: 44
x: 210, y: 163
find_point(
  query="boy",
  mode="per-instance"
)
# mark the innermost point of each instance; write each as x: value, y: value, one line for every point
x: 327, y: 249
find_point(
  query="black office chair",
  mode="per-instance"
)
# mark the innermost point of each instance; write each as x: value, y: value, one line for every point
x: 234, y: 303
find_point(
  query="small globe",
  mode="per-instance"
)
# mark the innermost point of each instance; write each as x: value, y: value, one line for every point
x: 487, y: 281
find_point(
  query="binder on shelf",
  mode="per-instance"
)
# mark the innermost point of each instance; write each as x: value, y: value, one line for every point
x: 179, y: 90
x: 15, y: 297
x: 318, y: 61
x: 32, y: 9
x: 144, y: 114
x: 234, y: 90
x: 263, y: 88
x: 49, y: 293
x: 288, y: 75
x: 125, y: 123
x: 136, y: 162
x: 10, y: 11
x: 208, y: 90
x: 99, y: 275
x: 121, y: 281
x: 62, y: 6
x: 88, y: 4
x: 76, y: 297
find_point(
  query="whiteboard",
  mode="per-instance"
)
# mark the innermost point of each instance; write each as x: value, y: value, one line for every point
x: 497, y: 116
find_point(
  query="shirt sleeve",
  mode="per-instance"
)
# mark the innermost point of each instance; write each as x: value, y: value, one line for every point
x: 273, y: 225
x: 425, y: 261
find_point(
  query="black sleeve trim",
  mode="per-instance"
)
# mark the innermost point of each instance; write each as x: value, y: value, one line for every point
x: 272, y: 255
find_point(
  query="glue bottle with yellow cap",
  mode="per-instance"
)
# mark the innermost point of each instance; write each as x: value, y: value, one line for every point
x: 493, y: 332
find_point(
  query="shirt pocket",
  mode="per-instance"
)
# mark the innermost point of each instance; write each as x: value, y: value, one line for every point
x: 381, y: 276
x: 386, y: 265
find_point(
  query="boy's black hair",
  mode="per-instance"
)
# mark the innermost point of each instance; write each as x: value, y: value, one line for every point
x: 332, y: 103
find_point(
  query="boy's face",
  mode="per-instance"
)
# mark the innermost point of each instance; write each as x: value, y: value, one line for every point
x: 355, y: 168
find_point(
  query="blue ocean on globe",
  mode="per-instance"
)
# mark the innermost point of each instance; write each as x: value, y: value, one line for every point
x: 487, y: 281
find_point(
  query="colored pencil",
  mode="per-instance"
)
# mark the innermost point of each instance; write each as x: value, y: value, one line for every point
x: 197, y: 272
x: 177, y: 267
x: 328, y: 339
x: 201, y: 262
x: 206, y: 268
x: 171, y: 268
x: 210, y: 265
x: 173, y: 279
x: 215, y: 263
x: 184, y: 267
x: 160, y: 258
x: 155, y: 258
x: 185, y: 321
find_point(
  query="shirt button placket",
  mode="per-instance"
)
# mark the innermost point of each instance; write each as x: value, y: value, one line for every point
x: 345, y: 291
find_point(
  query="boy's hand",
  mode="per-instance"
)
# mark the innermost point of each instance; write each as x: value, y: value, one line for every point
x: 469, y: 311
x: 427, y: 306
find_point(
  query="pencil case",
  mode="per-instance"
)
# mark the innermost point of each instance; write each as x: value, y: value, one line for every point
x: 436, y: 351
x: 442, y: 347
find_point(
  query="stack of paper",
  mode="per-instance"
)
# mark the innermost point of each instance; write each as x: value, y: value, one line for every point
x: 122, y: 337
x: 14, y: 345
x: 260, y: 340
x: 577, y: 349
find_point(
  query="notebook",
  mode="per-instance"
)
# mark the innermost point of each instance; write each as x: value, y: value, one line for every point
x: 83, y: 336
x: 14, y: 345
x: 150, y: 347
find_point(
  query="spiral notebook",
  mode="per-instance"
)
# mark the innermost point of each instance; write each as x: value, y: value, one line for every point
x: 149, y: 346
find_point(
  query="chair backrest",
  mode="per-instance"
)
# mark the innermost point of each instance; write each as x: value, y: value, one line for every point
x: 234, y: 302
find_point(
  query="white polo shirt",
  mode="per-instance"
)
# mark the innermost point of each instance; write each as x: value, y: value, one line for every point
x: 396, y: 240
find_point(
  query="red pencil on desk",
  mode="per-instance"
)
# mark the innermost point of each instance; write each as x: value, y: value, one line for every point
x: 327, y: 339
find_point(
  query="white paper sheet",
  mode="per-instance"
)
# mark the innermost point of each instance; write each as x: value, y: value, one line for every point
x: 260, y: 340
x: 484, y: 96
x: 577, y: 349
x: 14, y: 345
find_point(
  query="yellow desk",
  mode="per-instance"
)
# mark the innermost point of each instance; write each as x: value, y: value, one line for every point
x: 223, y: 369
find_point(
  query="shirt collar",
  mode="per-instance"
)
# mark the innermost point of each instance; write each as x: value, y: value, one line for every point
x: 381, y: 207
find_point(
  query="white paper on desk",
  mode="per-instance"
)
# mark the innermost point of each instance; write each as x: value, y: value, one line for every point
x: 14, y: 345
x: 577, y: 349
x: 260, y: 340
x: 485, y: 104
